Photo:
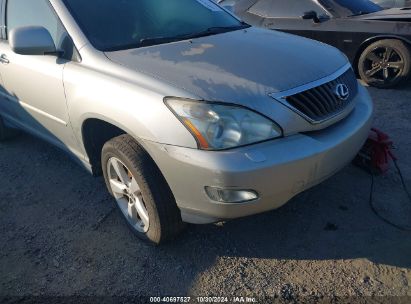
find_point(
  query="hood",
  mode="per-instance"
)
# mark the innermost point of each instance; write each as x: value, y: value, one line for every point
x: 394, y: 14
x: 236, y: 65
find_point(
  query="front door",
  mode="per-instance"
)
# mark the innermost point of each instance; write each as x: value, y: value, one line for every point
x: 34, y: 84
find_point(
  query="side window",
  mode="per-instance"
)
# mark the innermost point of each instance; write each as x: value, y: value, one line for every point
x: 386, y: 3
x: 282, y: 8
x: 35, y: 13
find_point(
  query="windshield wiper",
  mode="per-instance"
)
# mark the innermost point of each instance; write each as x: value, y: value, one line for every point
x: 209, y: 31
x: 148, y: 41
x: 219, y: 29
x: 159, y: 40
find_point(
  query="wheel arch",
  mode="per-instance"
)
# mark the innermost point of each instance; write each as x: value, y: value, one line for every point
x: 366, y: 43
x: 95, y: 132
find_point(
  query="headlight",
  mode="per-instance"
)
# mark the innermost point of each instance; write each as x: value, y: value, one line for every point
x: 217, y: 126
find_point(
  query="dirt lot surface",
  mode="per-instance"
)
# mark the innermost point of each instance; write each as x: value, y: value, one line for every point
x: 61, y: 236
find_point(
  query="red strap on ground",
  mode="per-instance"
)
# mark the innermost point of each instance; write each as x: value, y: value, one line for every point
x: 377, y: 151
x: 381, y: 147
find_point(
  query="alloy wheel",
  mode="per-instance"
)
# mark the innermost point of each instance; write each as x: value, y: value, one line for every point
x: 383, y: 65
x: 128, y: 195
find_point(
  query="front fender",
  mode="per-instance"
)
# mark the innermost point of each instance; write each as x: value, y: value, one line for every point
x: 137, y: 110
x: 370, y: 40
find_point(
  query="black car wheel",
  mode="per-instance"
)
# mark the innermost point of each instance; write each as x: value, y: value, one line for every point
x: 142, y: 194
x: 385, y: 63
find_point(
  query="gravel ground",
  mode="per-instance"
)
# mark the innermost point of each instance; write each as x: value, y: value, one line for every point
x: 61, y: 236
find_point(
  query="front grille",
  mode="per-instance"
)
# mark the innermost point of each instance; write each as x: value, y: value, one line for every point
x: 321, y: 103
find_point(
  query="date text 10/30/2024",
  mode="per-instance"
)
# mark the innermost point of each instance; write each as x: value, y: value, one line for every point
x: 238, y: 299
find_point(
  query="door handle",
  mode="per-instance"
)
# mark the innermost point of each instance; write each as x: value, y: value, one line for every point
x: 3, y: 59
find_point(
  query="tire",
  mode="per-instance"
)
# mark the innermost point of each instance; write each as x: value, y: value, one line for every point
x: 122, y: 156
x: 6, y: 132
x: 385, y: 64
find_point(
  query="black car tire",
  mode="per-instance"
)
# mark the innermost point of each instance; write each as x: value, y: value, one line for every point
x: 6, y: 132
x: 164, y: 215
x: 385, y: 64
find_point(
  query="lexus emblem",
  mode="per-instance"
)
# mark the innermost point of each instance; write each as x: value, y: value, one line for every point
x: 342, y: 92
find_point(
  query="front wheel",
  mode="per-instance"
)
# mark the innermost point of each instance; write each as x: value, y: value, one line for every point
x: 142, y: 194
x: 385, y: 63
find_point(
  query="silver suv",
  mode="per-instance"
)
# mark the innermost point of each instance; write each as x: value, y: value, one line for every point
x: 191, y: 115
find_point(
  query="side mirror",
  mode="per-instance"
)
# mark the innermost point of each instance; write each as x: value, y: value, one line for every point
x: 311, y: 15
x: 31, y: 40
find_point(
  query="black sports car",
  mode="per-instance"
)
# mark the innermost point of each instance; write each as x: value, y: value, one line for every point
x: 377, y: 41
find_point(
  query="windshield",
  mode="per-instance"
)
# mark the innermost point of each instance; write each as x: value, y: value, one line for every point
x: 123, y: 24
x: 347, y: 8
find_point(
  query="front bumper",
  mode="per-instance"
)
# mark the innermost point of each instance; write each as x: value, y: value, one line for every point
x: 278, y: 170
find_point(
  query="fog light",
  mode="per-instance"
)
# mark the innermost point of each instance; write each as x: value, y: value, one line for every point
x: 230, y: 195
